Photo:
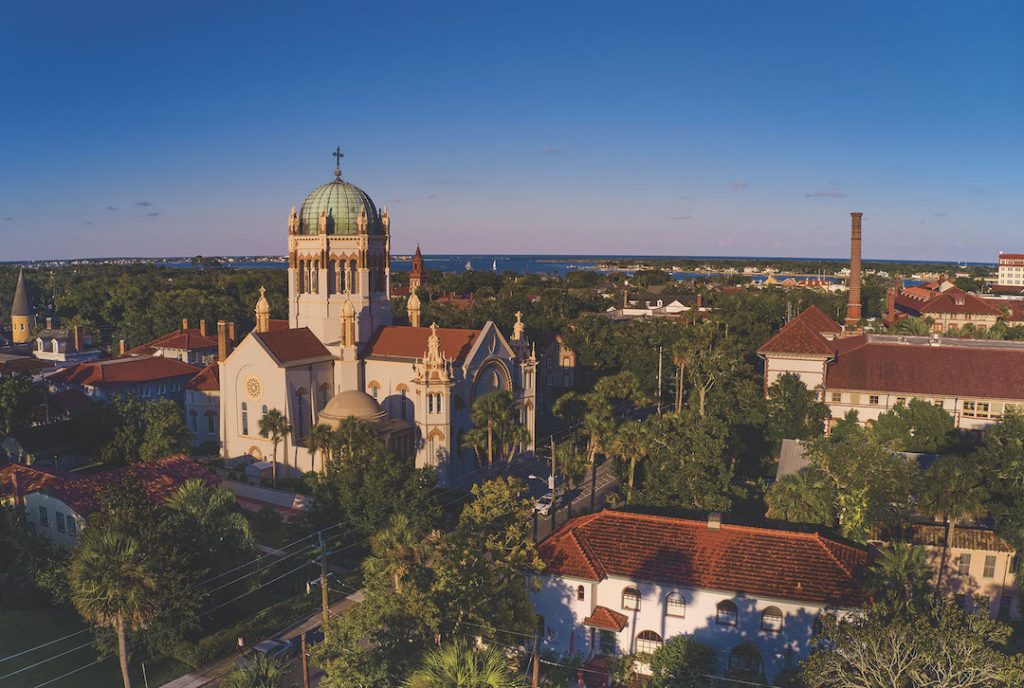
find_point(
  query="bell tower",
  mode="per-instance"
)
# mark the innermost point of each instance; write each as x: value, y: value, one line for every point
x: 339, y: 251
x: 22, y: 320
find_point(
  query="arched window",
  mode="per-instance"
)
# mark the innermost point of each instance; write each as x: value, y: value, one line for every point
x: 402, y: 403
x: 771, y: 619
x: 374, y: 391
x: 631, y: 599
x: 745, y: 658
x: 325, y: 391
x: 675, y: 605
x: 211, y: 422
x: 192, y: 420
x: 301, y: 411
x: 647, y: 642
x: 580, y: 592
x: 726, y: 613
x: 245, y: 418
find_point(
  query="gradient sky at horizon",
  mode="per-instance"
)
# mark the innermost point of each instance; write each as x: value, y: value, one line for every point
x: 668, y: 128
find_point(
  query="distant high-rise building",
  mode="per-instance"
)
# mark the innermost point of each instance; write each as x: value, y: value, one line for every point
x: 1011, y: 270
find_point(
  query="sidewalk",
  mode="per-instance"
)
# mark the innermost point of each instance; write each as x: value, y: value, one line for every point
x: 207, y: 675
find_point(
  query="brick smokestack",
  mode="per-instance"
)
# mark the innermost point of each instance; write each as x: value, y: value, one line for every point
x: 222, y: 341
x: 853, y: 306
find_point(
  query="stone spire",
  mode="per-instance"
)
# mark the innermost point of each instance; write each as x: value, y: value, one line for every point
x: 263, y: 312
x: 413, y: 307
x: 519, y: 329
x: 416, y: 273
x: 21, y: 313
x: 20, y: 306
x: 348, y: 323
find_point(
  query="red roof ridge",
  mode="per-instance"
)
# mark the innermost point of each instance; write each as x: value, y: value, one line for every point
x: 588, y: 553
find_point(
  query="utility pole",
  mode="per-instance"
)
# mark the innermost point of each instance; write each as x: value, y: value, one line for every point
x: 554, y: 501
x: 323, y: 582
x: 659, y: 380
x: 305, y: 663
x: 536, y: 660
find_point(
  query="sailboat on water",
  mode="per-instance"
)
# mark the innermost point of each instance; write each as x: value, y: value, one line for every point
x: 469, y: 266
x: 494, y: 266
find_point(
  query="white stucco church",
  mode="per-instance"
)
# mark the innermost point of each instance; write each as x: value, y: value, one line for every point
x: 339, y: 355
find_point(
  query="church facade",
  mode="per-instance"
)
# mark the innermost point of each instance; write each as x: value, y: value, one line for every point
x: 339, y: 355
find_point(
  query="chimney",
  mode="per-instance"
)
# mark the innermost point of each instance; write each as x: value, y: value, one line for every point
x: 231, y: 332
x: 49, y: 323
x: 222, y: 341
x: 77, y: 335
x: 202, y: 327
x: 184, y: 323
x: 890, y: 305
x: 122, y: 348
x: 714, y: 521
x: 853, y: 306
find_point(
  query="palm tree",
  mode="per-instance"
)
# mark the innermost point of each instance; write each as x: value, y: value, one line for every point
x: 629, y: 443
x: 396, y: 551
x: 901, y: 576
x: 213, y: 511
x: 260, y: 671
x: 460, y: 665
x: 803, y: 497
x: 321, y: 441
x: 491, y: 411
x: 920, y: 327
x: 113, y: 585
x: 953, y: 491
x: 274, y: 425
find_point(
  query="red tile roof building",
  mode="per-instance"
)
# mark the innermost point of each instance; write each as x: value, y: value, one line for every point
x: 623, y: 582
x: 975, y: 380
x: 59, y: 505
x: 398, y: 341
x: 1011, y: 270
x: 188, y: 344
x: 950, y: 309
x: 146, y: 377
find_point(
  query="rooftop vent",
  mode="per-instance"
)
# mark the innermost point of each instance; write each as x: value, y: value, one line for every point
x: 714, y: 521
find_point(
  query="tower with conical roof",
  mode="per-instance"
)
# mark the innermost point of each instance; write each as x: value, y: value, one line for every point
x: 416, y: 274
x: 338, y: 252
x: 22, y: 320
x: 263, y: 312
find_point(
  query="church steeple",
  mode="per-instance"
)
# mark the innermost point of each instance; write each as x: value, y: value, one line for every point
x: 416, y: 274
x: 21, y: 313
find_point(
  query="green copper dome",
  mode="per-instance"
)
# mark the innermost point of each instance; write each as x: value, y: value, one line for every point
x: 342, y: 202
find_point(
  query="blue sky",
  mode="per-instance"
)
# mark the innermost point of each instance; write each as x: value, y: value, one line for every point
x: 722, y: 128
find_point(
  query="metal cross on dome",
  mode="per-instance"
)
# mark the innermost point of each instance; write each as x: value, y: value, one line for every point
x: 338, y: 155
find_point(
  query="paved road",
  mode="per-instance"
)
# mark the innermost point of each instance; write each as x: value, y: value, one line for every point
x: 211, y: 674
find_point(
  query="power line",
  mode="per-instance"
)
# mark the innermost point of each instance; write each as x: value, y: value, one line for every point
x: 44, y: 661
x: 46, y: 644
x: 73, y: 671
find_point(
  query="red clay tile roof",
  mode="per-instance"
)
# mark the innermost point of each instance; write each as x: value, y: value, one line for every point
x: 766, y: 562
x: 1012, y: 309
x: 797, y: 337
x: 948, y: 369
x: 964, y: 537
x: 953, y: 300
x: 28, y: 478
x: 187, y: 339
x: 289, y: 346
x: 9, y: 365
x: 397, y: 341
x: 122, y: 371
x: 818, y: 321
x: 1012, y: 256
x: 206, y: 380
x: 159, y: 479
x: 605, y: 618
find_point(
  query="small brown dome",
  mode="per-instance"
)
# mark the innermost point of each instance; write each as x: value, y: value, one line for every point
x: 352, y: 403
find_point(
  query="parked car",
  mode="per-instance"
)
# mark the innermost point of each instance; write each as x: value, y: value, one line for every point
x: 280, y: 650
x: 543, y: 505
